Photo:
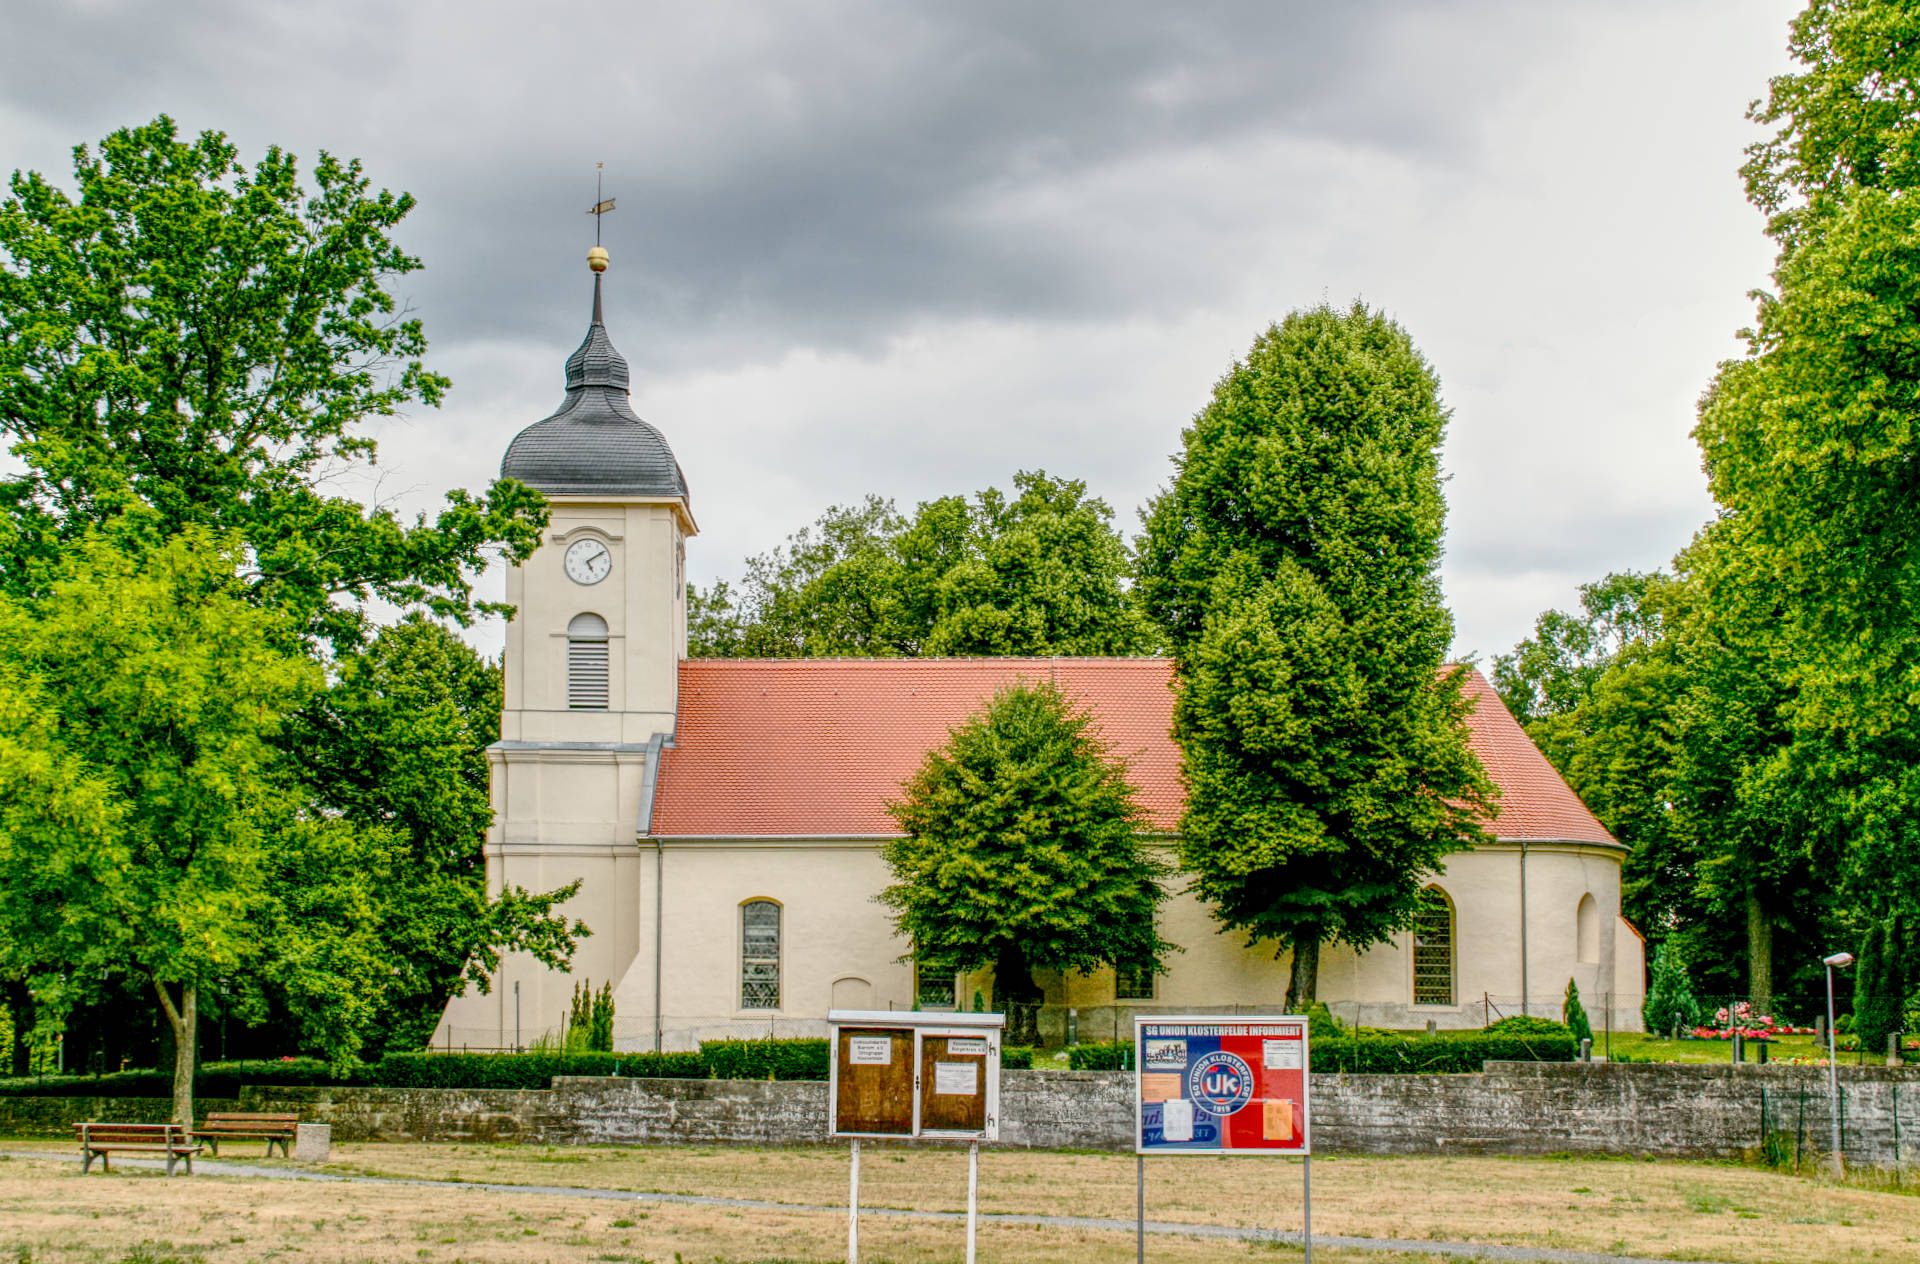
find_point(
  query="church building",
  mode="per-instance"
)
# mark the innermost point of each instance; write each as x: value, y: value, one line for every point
x: 724, y: 816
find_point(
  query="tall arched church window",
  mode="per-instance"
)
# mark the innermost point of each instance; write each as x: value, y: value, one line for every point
x: 1433, y: 949
x: 759, y: 955
x: 1587, y: 930
x: 587, y: 663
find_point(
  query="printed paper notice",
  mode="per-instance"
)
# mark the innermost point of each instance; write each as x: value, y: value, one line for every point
x: 1176, y: 1119
x: 964, y: 1047
x: 1159, y: 1086
x: 1276, y: 1117
x: 1281, y: 1055
x: 870, y: 1050
x: 956, y: 1079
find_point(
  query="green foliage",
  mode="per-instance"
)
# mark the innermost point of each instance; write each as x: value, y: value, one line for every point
x: 1880, y: 984
x: 1525, y: 1025
x: 1020, y: 850
x: 1041, y: 573
x: 523, y: 1070
x: 590, y: 1019
x: 207, y: 339
x: 804, y: 1059
x: 1574, y: 1014
x: 140, y: 811
x: 1556, y: 669
x: 1016, y: 1058
x: 1669, y: 995
x: 1293, y: 564
x: 1449, y: 1053
x: 1101, y: 1055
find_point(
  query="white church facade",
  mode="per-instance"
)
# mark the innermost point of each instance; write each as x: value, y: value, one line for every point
x: 724, y: 816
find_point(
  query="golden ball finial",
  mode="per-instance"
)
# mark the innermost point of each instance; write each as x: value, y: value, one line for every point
x: 597, y: 259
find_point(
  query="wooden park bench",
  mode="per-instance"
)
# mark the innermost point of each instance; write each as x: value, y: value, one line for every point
x: 101, y: 1140
x: 233, y: 1125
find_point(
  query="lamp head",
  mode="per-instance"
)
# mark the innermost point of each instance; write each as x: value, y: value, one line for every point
x: 1839, y: 959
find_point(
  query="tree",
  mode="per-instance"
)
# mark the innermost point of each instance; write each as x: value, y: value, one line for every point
x: 138, y: 805
x: 1293, y: 563
x: 397, y: 742
x: 208, y: 340
x: 1041, y: 572
x: 1021, y: 851
x: 1669, y: 995
x: 1556, y: 669
x: 1880, y: 984
x: 1574, y: 1014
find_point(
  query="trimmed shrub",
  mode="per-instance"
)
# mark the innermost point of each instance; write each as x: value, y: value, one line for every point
x: 1574, y: 1014
x: 521, y: 1070
x: 1102, y: 1055
x: 1446, y: 1053
x: 1016, y: 1058
x: 1527, y: 1025
x: 765, y: 1059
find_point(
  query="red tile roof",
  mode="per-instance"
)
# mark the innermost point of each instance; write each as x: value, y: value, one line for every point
x: 814, y: 748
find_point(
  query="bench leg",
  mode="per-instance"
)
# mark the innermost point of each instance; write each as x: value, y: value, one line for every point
x: 282, y: 1142
x: 213, y: 1146
x: 189, y: 1158
x: 86, y: 1161
x: 172, y: 1158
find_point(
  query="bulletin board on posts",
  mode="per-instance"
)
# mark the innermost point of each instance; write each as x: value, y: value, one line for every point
x: 1221, y: 1084
x: 915, y: 1074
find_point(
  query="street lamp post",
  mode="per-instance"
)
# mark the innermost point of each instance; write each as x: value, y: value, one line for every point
x: 1841, y: 960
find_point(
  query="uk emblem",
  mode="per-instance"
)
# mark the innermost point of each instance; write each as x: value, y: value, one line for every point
x: 1220, y: 1083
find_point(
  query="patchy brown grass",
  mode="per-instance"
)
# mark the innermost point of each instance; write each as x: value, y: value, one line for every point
x: 1681, y: 1211
x: 50, y: 1214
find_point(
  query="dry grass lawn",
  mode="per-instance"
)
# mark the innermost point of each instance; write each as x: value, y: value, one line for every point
x: 1676, y: 1211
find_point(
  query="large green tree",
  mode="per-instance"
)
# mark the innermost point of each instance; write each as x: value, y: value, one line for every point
x: 138, y: 801
x: 210, y: 339
x: 1021, y: 850
x: 1293, y: 564
x: 1040, y: 572
x: 190, y: 341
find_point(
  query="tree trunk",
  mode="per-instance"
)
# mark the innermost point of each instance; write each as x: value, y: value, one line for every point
x: 20, y: 1007
x: 185, y: 1021
x: 1303, y: 985
x: 1759, y: 953
x: 1013, y: 984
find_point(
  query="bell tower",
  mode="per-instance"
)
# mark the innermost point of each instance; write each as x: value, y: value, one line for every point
x: 592, y: 681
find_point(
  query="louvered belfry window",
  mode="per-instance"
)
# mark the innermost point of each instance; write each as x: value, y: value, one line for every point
x: 1433, y: 949
x: 587, y: 663
x: 760, y: 955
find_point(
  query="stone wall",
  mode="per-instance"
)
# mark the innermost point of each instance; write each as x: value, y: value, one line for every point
x: 1512, y: 1108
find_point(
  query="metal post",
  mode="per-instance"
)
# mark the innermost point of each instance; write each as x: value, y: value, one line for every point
x: 853, y: 1208
x: 1140, y: 1209
x: 516, y: 1016
x: 1833, y: 1081
x: 1306, y: 1205
x: 1609, y: 1020
x: 973, y: 1195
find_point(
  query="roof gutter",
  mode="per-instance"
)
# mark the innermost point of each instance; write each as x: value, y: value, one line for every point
x: 649, y: 782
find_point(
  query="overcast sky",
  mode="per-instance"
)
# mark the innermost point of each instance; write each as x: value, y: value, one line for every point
x: 909, y: 248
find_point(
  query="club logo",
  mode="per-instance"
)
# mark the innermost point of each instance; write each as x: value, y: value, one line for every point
x: 1220, y: 1083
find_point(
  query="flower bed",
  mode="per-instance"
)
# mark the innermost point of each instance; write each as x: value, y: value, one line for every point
x: 1741, y: 1021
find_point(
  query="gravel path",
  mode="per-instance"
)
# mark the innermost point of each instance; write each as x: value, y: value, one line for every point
x: 1467, y: 1250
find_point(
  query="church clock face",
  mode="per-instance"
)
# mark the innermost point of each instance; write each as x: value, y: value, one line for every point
x: 588, y: 561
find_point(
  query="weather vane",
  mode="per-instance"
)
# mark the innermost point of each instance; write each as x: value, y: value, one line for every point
x: 601, y: 205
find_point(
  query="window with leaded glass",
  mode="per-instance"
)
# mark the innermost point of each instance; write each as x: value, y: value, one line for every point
x: 1433, y: 949
x: 1133, y: 983
x: 933, y: 988
x: 760, y: 955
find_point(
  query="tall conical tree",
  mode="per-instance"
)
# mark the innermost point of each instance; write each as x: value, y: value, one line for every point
x: 1294, y: 565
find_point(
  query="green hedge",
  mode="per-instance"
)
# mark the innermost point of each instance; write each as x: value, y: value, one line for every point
x: 765, y: 1059
x: 1016, y: 1058
x: 520, y: 1070
x: 1453, y: 1051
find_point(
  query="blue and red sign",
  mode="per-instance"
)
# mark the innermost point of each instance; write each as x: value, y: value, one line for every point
x: 1221, y: 1084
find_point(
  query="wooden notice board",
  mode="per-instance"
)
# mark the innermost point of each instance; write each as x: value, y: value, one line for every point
x: 953, y: 1082
x: 875, y: 1096
x: 915, y: 1074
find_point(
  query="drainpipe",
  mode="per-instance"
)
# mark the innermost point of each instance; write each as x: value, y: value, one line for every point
x: 1523, y: 926
x: 659, y: 902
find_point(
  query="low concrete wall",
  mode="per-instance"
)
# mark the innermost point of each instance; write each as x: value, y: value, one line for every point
x: 55, y: 1116
x: 1517, y: 1108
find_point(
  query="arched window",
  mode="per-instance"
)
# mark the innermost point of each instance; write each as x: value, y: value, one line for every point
x: 587, y: 663
x: 759, y: 955
x: 1587, y: 930
x: 1433, y: 949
